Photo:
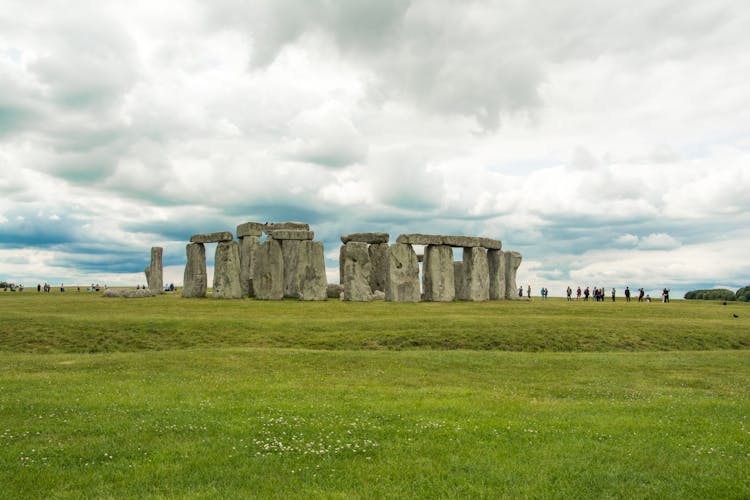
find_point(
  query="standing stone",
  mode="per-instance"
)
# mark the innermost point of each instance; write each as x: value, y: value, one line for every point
x: 249, y: 247
x: 438, y: 278
x: 512, y: 262
x: 268, y: 273
x: 311, y: 271
x: 459, y: 279
x: 357, y: 269
x: 402, y: 279
x: 476, y: 274
x: 195, y: 279
x: 496, y: 261
x: 379, y: 261
x: 154, y: 271
x: 342, y: 258
x: 227, y: 271
x: 290, y: 250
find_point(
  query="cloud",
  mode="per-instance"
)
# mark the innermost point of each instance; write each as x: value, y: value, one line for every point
x: 658, y: 241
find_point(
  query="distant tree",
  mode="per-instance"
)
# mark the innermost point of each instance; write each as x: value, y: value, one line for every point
x: 743, y: 294
x: 715, y: 294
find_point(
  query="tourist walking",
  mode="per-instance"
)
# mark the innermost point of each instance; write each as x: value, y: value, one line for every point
x: 578, y: 293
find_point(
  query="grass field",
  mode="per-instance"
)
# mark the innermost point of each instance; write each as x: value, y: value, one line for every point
x: 171, y: 397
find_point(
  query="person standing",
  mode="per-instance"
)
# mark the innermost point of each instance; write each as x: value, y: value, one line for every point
x: 640, y: 295
x: 578, y: 293
x: 569, y: 293
x: 528, y: 292
x: 613, y: 295
x: 627, y: 294
x: 38, y: 287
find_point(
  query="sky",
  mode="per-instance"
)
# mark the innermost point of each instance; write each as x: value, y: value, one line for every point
x: 607, y: 143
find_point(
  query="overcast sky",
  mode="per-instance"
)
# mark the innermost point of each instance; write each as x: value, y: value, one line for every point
x: 608, y: 142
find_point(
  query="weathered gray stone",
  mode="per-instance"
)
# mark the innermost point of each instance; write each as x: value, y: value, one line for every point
x: 420, y: 239
x: 512, y: 263
x: 472, y: 241
x: 378, y: 295
x: 275, y: 226
x: 212, y: 237
x: 357, y: 269
x: 402, y: 279
x: 334, y: 291
x: 461, y: 241
x: 249, y: 247
x: 379, y: 262
x: 227, y: 271
x: 476, y: 275
x: 128, y: 293
x: 268, y: 272
x: 250, y: 229
x: 496, y: 262
x: 371, y: 238
x: 290, y: 249
x: 195, y: 279
x: 490, y: 244
x: 291, y: 234
x: 155, y: 271
x: 342, y: 257
x: 459, y: 279
x: 311, y: 270
x: 438, y: 280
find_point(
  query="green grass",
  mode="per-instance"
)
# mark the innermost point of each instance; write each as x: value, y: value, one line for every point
x: 74, y: 322
x: 200, y: 398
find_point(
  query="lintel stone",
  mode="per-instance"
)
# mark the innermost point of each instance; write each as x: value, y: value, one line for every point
x: 420, y: 239
x: 212, y: 237
x: 273, y: 226
x: 250, y: 229
x: 371, y: 238
x: 291, y: 234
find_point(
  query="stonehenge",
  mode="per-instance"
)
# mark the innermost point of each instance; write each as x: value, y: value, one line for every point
x: 272, y: 261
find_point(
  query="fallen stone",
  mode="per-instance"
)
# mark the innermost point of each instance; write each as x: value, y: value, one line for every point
x: 476, y: 274
x: 496, y: 262
x: 211, y: 237
x: 250, y: 229
x: 128, y: 293
x: 154, y: 271
x: 378, y: 295
x: 357, y: 269
x: 512, y: 263
x: 195, y: 279
x: 249, y: 246
x: 268, y: 273
x: 311, y: 270
x: 334, y: 291
x: 420, y: 239
x: 438, y: 280
x: 227, y: 271
x: 379, y: 263
x: 402, y: 278
x: 273, y: 226
x: 291, y: 234
x: 371, y: 238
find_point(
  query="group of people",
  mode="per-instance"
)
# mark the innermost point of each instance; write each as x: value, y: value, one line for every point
x: 597, y: 295
x: 47, y: 288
